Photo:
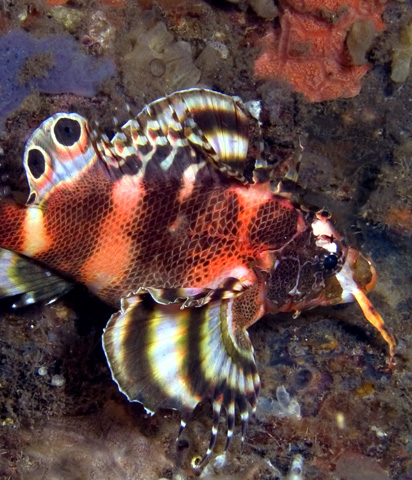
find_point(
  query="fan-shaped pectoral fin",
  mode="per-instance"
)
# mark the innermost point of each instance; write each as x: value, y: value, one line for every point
x: 172, y: 357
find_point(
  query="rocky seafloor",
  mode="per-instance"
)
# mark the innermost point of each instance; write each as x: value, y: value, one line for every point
x: 329, y: 405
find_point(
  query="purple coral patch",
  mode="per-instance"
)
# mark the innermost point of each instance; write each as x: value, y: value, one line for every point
x: 69, y: 70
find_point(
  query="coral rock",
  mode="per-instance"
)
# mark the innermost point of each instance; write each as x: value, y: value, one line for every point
x: 402, y: 55
x: 310, y: 52
x: 157, y: 62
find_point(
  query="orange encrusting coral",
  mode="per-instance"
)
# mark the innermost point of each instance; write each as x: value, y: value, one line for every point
x: 56, y: 3
x: 309, y: 51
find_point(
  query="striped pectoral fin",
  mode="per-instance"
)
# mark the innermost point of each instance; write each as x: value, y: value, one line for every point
x: 166, y: 356
x: 27, y: 281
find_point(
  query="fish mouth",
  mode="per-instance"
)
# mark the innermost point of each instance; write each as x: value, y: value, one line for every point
x: 356, y: 278
x: 363, y: 271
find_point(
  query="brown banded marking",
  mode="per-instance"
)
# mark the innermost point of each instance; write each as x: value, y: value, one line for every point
x: 74, y: 237
x: 275, y: 223
x: 171, y: 249
x: 113, y: 249
x: 171, y: 237
x: 14, y: 221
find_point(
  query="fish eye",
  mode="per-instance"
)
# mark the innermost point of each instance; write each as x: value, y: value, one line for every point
x: 330, y: 262
x: 67, y: 131
x: 324, y: 214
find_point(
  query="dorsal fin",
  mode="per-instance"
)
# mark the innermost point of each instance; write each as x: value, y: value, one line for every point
x: 288, y: 184
x: 190, y: 129
x: 59, y: 150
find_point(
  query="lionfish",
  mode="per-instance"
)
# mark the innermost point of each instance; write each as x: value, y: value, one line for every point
x: 162, y: 223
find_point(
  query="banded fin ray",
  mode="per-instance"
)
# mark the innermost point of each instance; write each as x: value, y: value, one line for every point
x: 217, y: 124
x: 164, y: 356
x: 195, y: 297
x: 193, y: 132
x: 58, y: 152
x: 27, y: 281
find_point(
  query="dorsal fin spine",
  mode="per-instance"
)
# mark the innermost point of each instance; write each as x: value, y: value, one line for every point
x: 173, y: 121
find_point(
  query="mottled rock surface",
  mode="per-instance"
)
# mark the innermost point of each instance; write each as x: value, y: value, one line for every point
x: 61, y: 415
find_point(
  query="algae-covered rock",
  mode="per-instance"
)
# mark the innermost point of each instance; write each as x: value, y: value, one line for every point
x: 402, y: 55
x: 157, y: 62
x: 359, y: 40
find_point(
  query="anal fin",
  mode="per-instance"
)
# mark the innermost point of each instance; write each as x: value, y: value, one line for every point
x: 28, y: 281
x: 166, y: 356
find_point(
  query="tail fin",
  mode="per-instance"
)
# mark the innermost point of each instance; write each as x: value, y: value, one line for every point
x: 28, y: 281
x: 165, y: 356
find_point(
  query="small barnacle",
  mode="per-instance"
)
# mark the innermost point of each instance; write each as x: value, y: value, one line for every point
x: 296, y: 469
x: 42, y: 371
x: 220, y: 48
x: 100, y: 35
x: 283, y: 406
x: 157, y: 67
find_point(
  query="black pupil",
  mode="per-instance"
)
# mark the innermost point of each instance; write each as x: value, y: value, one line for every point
x: 36, y: 163
x: 330, y: 262
x: 67, y: 131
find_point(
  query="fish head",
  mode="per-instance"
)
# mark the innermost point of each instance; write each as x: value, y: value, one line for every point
x: 320, y: 269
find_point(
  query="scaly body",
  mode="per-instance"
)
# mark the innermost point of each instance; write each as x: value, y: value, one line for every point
x: 128, y: 235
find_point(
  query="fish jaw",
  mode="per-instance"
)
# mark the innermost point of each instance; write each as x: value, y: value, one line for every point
x: 355, y: 284
x: 354, y: 278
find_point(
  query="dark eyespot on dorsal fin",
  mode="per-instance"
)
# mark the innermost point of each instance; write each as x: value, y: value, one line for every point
x: 58, y: 151
x: 164, y: 356
x: 67, y: 130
